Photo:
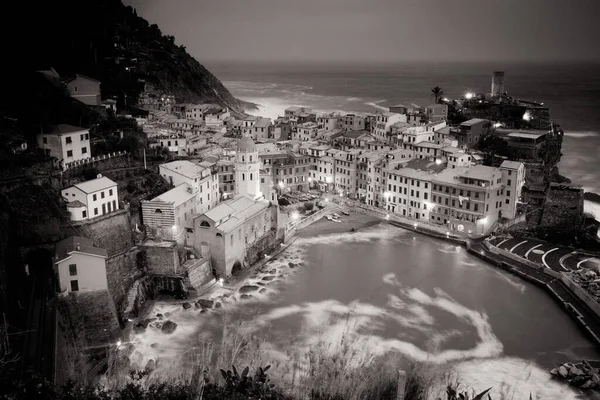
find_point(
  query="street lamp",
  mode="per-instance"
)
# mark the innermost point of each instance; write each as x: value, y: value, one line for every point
x: 469, y: 95
x: 281, y: 185
x: 483, y: 222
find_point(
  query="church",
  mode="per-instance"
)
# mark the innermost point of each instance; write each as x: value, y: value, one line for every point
x: 237, y: 232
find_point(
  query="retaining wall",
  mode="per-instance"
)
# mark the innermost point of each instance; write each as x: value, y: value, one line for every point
x: 581, y: 294
x: 530, y: 264
x: 162, y: 260
x: 121, y: 272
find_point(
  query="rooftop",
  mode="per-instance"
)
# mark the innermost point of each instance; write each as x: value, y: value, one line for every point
x: 422, y: 164
x: 262, y: 122
x: 429, y: 145
x: 354, y: 134
x: 95, y: 185
x: 473, y: 121
x: 510, y: 164
x: 64, y: 248
x: 75, y: 204
x: 177, y: 196
x: 523, y: 135
x: 238, y: 210
x: 66, y: 128
x: 184, y: 167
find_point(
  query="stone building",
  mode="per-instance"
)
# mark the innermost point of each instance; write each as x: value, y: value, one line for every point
x: 238, y: 231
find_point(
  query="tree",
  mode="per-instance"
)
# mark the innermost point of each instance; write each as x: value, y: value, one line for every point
x: 437, y: 93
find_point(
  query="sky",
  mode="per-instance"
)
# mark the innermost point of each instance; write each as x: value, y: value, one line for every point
x: 379, y: 30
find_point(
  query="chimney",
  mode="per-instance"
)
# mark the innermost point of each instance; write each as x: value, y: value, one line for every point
x: 78, y: 247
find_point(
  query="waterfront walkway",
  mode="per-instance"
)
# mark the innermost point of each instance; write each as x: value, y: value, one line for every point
x: 583, y: 315
x: 557, y: 258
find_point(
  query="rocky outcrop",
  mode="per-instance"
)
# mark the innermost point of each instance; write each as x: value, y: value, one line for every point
x: 581, y: 375
x: 589, y: 280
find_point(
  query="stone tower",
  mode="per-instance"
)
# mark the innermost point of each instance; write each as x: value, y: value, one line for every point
x: 498, y: 83
x: 247, y: 169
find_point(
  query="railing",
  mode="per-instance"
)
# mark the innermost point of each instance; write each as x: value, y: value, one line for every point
x: 79, y: 163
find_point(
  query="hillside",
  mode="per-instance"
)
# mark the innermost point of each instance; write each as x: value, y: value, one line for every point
x: 106, y: 40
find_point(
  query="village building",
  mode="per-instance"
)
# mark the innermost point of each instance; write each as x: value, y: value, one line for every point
x: 91, y: 199
x: 79, y: 266
x: 513, y: 177
x: 66, y: 143
x: 84, y: 89
x: 436, y: 112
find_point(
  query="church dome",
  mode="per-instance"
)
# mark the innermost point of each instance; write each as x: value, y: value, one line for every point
x: 246, y: 145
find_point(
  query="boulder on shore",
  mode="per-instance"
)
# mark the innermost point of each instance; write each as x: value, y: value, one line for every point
x: 562, y: 371
x: 246, y: 296
x: 187, y: 306
x: 168, y: 327
x: 248, y: 289
x: 206, y: 303
x: 150, y: 365
x: 159, y: 316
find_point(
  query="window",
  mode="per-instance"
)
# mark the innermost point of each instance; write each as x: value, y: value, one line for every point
x: 250, y: 175
x: 95, y: 211
x: 509, y: 172
x: 243, y: 158
x: 110, y: 192
x: 68, y: 140
x: 102, y: 195
x: 475, y: 207
x: 45, y: 140
x: 94, y: 197
x: 83, y: 214
x: 509, y: 182
x: 72, y: 269
x: 508, y: 192
x: 69, y: 153
x: 74, y: 286
x: 114, y: 203
x: 103, y: 208
x: 158, y: 211
x: 507, y: 201
x: 84, y: 150
x: 231, y: 240
x: 75, y: 89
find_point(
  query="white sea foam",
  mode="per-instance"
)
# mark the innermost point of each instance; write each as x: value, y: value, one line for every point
x: 377, y: 105
x: 515, y: 377
x: 582, y: 134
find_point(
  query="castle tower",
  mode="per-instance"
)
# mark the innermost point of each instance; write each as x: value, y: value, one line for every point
x: 247, y: 169
x: 497, y: 83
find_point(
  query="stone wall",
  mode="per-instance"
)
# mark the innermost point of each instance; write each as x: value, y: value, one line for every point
x: 162, y: 260
x: 581, y: 294
x: 112, y: 232
x: 199, y: 272
x: 563, y: 209
x: 121, y: 272
x: 521, y: 260
x: 262, y: 246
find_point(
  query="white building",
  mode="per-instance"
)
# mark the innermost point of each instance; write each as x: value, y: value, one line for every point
x: 79, y: 265
x: 66, y: 143
x: 306, y: 132
x: 165, y: 216
x: 513, y: 177
x: 91, y: 199
x: 247, y: 169
x: 384, y: 122
x: 198, y: 177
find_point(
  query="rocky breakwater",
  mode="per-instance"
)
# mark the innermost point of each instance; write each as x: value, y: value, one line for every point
x: 580, y: 375
x: 589, y: 280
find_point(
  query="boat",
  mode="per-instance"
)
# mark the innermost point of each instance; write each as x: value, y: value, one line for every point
x: 336, y: 220
x: 345, y: 213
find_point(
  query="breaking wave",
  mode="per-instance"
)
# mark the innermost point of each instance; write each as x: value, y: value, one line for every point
x: 582, y: 134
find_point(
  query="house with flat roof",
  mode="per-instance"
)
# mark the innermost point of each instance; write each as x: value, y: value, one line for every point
x: 166, y: 216
x: 84, y: 89
x: 91, y: 199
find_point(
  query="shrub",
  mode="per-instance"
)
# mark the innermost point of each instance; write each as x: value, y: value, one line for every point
x: 283, y: 201
x: 309, y: 205
x: 89, y: 173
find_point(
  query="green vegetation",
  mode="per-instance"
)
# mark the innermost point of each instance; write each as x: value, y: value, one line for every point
x: 437, y: 93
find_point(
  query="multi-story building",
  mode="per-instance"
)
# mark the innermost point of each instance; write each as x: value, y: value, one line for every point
x: 198, y: 177
x: 166, y: 216
x: 66, y: 143
x: 79, y: 266
x: 282, y: 129
x: 513, y: 177
x: 436, y: 112
x: 295, y: 111
x: 84, y: 89
x: 226, y: 176
x: 329, y: 122
x: 306, y: 132
x: 215, y: 117
x: 248, y: 123
x: 410, y: 136
x: 261, y: 130
x: 384, y: 122
x: 292, y: 172
x: 467, y: 201
x: 91, y: 199
x: 174, y: 143
x: 353, y: 122
x: 470, y: 132
x: 345, y: 171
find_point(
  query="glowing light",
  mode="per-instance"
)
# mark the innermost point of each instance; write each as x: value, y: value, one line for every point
x: 527, y: 116
x: 387, y: 195
x: 118, y: 343
x: 416, y: 225
x: 484, y: 220
x: 469, y: 95
x: 387, y: 216
x: 326, y: 199
x: 309, y: 179
x: 295, y: 215
x: 446, y: 99
x: 174, y: 227
x: 438, y: 161
x: 447, y: 233
x: 497, y: 125
x: 221, y: 281
x: 281, y: 184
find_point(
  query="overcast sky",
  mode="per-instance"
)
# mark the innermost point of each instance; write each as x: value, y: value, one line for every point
x: 379, y: 30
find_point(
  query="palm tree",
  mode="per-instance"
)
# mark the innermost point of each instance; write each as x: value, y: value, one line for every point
x: 437, y: 93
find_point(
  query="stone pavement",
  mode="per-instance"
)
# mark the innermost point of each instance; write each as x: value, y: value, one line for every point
x: 557, y: 258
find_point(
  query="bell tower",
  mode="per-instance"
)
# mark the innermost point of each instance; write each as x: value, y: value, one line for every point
x: 247, y: 169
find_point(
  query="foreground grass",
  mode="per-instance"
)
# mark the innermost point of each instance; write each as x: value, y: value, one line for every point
x: 331, y: 369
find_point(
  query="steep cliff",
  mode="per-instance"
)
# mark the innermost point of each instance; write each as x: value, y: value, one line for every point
x: 106, y: 40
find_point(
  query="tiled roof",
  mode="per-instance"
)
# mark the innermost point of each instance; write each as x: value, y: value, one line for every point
x: 177, y: 196
x: 65, y: 247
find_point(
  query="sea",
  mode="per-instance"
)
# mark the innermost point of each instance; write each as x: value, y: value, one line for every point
x: 572, y: 91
